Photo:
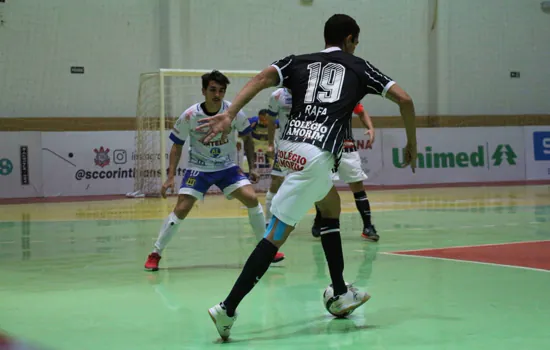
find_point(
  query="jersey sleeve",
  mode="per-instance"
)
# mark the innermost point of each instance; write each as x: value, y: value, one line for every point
x: 273, y: 107
x: 180, y: 131
x: 376, y: 82
x: 284, y: 68
x: 241, y: 122
x: 253, y: 122
x: 358, y: 109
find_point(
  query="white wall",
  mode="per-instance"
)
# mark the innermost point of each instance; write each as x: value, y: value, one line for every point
x: 460, y: 68
x: 255, y: 33
x: 479, y: 43
x: 41, y: 40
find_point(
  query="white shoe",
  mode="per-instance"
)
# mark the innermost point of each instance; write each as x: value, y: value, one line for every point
x: 344, y: 304
x: 221, y: 320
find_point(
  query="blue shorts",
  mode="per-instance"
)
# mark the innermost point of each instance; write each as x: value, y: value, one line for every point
x: 196, y: 183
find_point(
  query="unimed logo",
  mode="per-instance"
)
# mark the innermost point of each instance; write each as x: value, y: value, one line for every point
x: 477, y: 158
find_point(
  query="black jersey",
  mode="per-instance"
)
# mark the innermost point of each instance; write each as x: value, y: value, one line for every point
x: 325, y: 87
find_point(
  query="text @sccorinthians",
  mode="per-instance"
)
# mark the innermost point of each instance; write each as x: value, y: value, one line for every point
x: 120, y: 173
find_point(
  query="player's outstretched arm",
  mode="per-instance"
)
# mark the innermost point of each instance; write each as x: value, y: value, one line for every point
x: 265, y: 79
x: 221, y: 123
x: 406, y: 107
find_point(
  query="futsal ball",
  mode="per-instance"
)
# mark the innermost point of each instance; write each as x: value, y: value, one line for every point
x: 328, y: 299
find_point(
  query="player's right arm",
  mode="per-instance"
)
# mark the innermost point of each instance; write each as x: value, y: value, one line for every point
x: 179, y: 134
x: 273, y: 75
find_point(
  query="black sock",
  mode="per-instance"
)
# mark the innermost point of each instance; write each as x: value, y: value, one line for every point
x: 318, y: 218
x: 363, y: 206
x: 257, y: 264
x: 332, y: 245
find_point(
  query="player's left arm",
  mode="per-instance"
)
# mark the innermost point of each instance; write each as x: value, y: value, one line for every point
x: 249, y: 151
x: 271, y: 127
x: 380, y: 84
x: 245, y: 128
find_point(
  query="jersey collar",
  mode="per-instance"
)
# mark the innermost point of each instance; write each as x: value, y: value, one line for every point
x: 332, y: 49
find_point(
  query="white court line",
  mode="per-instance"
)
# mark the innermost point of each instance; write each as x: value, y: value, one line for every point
x: 119, y: 220
x: 466, y: 246
x: 469, y: 261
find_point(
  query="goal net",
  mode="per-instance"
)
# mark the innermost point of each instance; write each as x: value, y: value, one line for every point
x: 162, y: 97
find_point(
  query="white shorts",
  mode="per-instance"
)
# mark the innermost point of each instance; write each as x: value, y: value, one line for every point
x: 308, y: 180
x: 276, y: 170
x: 350, y: 169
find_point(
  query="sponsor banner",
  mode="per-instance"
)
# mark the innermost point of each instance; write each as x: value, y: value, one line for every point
x: 20, y: 165
x: 449, y: 155
x: 537, y: 152
x: 95, y: 163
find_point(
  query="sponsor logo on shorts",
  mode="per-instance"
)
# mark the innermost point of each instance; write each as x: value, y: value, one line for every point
x: 291, y: 160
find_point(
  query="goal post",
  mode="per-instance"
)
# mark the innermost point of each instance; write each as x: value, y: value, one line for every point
x: 162, y: 97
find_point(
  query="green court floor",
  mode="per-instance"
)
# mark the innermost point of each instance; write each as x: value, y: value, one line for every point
x: 81, y: 285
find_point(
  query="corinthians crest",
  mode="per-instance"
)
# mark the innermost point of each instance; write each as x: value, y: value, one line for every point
x: 102, y: 157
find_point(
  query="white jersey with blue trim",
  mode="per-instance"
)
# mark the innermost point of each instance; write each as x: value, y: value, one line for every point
x: 280, y: 104
x: 216, y: 155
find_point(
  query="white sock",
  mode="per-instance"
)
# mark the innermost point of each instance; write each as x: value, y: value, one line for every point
x: 257, y: 221
x: 268, y: 198
x: 169, y: 227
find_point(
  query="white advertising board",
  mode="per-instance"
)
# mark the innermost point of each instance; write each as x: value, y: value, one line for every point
x: 20, y: 165
x: 456, y: 155
x: 537, y: 152
x: 90, y: 163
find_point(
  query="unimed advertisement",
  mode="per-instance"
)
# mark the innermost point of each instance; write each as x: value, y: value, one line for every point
x: 454, y: 155
x: 20, y: 165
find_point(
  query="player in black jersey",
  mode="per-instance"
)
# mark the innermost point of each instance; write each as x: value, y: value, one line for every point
x: 326, y: 86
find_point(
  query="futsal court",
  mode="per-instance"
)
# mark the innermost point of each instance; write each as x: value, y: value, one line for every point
x: 456, y: 268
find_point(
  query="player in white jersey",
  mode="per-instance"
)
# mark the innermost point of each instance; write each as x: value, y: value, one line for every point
x: 210, y: 163
x: 280, y: 104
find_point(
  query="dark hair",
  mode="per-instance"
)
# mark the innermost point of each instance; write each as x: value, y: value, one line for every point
x: 338, y: 27
x: 262, y: 111
x: 216, y: 76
